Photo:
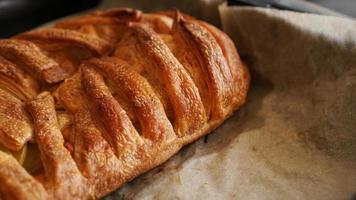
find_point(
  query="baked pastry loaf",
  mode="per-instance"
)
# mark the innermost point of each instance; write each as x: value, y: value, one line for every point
x: 105, y: 97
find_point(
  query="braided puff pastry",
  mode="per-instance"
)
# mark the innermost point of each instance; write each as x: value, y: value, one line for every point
x: 89, y: 104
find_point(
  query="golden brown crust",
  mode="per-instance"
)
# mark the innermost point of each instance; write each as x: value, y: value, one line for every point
x: 120, y: 132
x: 212, y: 62
x: 16, y: 183
x: 107, y: 28
x: 147, y: 107
x: 16, y: 80
x: 92, y: 154
x: 188, y: 108
x: 238, y: 69
x: 32, y: 59
x: 159, y: 23
x: 97, y: 45
x: 161, y: 81
x: 15, y: 124
x: 57, y: 161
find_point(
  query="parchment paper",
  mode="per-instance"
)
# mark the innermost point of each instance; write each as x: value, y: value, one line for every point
x: 296, y: 136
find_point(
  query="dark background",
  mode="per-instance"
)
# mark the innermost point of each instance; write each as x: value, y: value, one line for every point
x: 20, y: 15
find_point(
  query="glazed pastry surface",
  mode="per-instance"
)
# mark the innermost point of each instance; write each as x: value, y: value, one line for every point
x: 96, y: 100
